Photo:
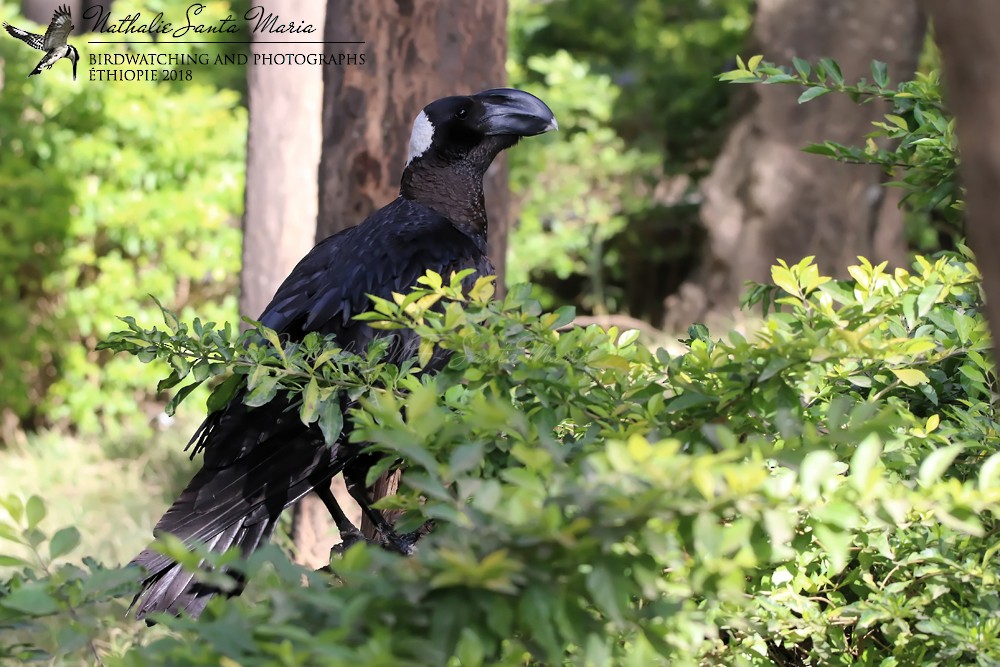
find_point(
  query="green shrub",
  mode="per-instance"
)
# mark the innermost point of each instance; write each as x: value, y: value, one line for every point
x: 823, y: 494
x: 915, y: 143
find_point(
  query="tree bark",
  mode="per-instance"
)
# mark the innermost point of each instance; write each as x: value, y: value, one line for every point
x: 415, y: 52
x: 279, y: 223
x: 966, y: 33
x: 765, y: 199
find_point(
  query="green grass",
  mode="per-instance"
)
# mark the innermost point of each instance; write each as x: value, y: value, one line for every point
x: 112, y: 491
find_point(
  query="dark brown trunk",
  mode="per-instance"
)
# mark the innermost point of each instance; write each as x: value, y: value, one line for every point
x: 765, y: 199
x: 415, y: 52
x: 966, y: 33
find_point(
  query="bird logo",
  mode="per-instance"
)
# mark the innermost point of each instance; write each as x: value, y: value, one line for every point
x: 54, y: 42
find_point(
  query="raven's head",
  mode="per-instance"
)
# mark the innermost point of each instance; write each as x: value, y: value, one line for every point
x: 453, y: 143
x: 472, y: 130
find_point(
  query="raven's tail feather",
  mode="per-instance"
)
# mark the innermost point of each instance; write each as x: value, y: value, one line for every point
x: 175, y: 590
x: 259, y: 462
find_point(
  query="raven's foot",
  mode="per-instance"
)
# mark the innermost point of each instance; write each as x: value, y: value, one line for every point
x: 348, y: 539
x: 406, y: 543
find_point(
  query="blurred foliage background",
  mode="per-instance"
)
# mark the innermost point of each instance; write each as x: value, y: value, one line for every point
x: 611, y: 223
x: 112, y: 192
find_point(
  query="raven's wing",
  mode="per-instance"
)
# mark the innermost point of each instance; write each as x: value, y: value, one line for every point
x: 60, y: 27
x: 387, y: 253
x: 29, y: 38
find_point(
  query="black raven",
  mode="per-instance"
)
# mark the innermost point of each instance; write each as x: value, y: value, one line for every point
x: 259, y: 461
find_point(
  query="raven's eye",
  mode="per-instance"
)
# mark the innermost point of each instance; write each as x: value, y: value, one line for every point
x: 461, y: 113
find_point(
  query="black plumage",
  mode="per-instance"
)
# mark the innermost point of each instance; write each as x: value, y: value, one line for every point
x: 259, y: 461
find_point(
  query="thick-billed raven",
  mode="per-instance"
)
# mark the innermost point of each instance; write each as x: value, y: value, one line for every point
x: 259, y: 461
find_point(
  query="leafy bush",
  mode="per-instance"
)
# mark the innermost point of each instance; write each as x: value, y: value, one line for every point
x: 112, y: 191
x: 915, y: 142
x: 821, y: 495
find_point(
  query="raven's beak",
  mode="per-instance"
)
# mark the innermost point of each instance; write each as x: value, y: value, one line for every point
x: 515, y: 112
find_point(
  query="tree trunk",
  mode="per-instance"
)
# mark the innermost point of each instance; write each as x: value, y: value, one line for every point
x: 966, y: 33
x: 415, y: 52
x: 279, y: 225
x: 765, y: 199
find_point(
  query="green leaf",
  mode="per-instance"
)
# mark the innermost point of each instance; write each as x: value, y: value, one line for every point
x: 605, y: 592
x: 275, y: 342
x: 812, y: 93
x: 14, y: 507
x: 928, y: 296
x: 628, y: 337
x: 783, y: 278
x: 989, y: 473
x: 911, y: 377
x: 464, y: 458
x: 826, y: 148
x: 898, y: 121
x: 34, y: 511
x: 31, y: 599
x: 331, y: 419
x: 222, y: 394
x: 837, y: 544
x: 102, y: 581
x: 263, y: 392
x: 802, y: 67
x: 469, y: 651
x: 687, y: 400
x: 13, y: 561
x: 181, y: 394
x: 832, y: 69
x: 63, y: 542
x: 169, y: 382
x: 610, y: 361
x: 425, y: 352
x: 699, y: 331
x: 774, y: 366
x: 937, y: 463
x: 866, y: 457
x: 310, y: 402
x: 817, y: 467
x: 880, y: 73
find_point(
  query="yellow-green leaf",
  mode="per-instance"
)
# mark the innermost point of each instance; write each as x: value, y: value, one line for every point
x: 911, y: 377
x: 310, y: 403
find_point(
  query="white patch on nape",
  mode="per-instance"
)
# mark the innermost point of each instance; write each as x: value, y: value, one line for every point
x: 421, y: 138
